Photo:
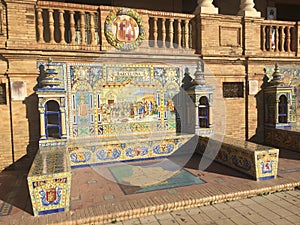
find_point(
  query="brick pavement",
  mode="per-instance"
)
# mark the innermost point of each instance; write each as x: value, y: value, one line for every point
x: 282, y: 208
x: 96, y: 198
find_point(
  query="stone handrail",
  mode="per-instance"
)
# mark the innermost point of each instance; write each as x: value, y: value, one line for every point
x: 278, y: 36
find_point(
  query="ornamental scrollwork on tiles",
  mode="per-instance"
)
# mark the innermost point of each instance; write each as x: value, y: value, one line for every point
x: 124, y: 29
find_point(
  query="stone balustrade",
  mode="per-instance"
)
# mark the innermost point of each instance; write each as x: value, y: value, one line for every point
x: 67, y: 24
x: 278, y: 36
x: 170, y: 30
x: 79, y: 25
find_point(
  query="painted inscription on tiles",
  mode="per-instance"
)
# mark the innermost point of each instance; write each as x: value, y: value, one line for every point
x: 120, y: 99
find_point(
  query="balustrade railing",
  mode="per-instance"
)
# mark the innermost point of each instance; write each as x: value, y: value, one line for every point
x: 62, y: 23
x: 170, y: 30
x: 279, y: 36
x: 80, y: 25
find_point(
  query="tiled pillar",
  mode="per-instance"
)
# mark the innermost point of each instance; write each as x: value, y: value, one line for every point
x: 42, y: 119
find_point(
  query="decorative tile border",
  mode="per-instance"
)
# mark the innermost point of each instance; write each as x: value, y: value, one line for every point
x: 124, y: 149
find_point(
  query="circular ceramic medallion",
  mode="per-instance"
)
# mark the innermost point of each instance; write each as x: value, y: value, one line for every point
x: 124, y: 29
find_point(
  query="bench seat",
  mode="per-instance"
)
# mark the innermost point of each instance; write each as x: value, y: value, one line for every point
x: 258, y: 161
x: 49, y: 181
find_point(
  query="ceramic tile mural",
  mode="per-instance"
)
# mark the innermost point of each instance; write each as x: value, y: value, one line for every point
x: 111, y: 99
x: 258, y: 161
x: 291, y: 78
x: 87, y: 152
x: 49, y: 181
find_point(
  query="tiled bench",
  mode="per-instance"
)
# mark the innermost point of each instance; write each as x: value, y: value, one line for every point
x: 124, y: 148
x: 49, y: 181
x: 258, y: 161
x: 283, y: 138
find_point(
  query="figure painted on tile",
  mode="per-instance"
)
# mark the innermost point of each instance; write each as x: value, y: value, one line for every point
x: 131, y: 113
x: 141, y: 109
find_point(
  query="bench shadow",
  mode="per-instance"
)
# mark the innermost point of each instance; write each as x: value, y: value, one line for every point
x: 14, y: 188
x: 215, y: 167
x: 13, y: 179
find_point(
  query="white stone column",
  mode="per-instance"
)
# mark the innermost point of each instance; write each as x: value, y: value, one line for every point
x: 247, y: 9
x: 206, y: 6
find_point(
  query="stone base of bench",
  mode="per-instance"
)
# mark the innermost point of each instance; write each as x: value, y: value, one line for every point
x: 257, y: 161
x: 49, y: 181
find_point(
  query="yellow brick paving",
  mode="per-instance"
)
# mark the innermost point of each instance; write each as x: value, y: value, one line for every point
x: 281, y: 208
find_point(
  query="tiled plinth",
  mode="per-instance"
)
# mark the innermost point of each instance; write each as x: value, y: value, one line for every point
x: 124, y: 148
x: 49, y: 181
x: 283, y: 138
x: 258, y: 161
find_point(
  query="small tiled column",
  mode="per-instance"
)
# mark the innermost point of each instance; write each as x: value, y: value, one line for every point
x: 196, y: 92
x: 206, y: 6
x: 247, y: 9
x: 42, y: 124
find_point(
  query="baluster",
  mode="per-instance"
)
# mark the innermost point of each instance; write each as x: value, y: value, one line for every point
x: 51, y: 25
x: 72, y: 27
x: 282, y: 38
x: 163, y: 31
x: 62, y: 26
x: 155, y: 34
x: 186, y: 33
x: 270, y: 38
x: 179, y: 33
x: 191, y: 44
x: 92, y: 16
x: 264, y: 37
x: 277, y: 39
x: 40, y: 25
x: 193, y: 35
x: 82, y: 27
x: 288, y: 39
x: 171, y: 32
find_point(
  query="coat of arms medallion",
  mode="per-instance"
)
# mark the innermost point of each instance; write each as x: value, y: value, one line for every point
x: 124, y: 29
